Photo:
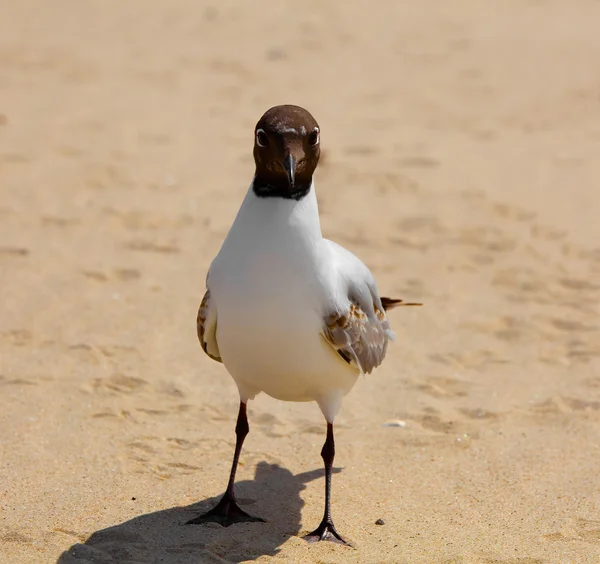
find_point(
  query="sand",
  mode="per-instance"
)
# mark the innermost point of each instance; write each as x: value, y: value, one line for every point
x: 461, y: 144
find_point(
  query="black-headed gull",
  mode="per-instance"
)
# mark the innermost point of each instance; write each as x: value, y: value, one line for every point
x: 288, y: 312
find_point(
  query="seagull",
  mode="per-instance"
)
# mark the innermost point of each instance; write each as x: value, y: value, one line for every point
x: 288, y: 312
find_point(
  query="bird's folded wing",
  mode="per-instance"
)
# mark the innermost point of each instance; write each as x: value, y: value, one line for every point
x: 206, y: 326
x: 361, y: 340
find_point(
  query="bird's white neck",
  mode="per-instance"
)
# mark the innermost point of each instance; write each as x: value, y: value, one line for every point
x: 297, y: 219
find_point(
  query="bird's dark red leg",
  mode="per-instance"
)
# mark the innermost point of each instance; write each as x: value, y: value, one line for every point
x: 326, y: 530
x: 227, y: 511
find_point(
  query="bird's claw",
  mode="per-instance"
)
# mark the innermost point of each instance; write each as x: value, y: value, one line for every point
x: 326, y: 531
x: 225, y: 513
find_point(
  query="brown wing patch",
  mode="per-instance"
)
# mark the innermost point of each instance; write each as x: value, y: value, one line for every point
x: 357, y: 338
x: 201, y: 326
x: 336, y: 320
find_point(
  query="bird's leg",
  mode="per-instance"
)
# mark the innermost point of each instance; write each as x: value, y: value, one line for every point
x: 326, y: 530
x: 227, y: 512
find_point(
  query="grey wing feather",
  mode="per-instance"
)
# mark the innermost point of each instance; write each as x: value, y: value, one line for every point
x: 357, y: 327
x: 206, y: 327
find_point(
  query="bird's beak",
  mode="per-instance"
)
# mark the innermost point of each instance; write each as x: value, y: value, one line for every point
x: 289, y: 163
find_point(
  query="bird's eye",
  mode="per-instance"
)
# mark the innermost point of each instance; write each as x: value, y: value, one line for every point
x: 313, y: 138
x: 261, y: 138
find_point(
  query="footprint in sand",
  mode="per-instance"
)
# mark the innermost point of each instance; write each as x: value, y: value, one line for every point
x: 116, y: 274
x: 118, y: 384
x: 441, y: 386
x: 152, y: 247
x: 586, y: 530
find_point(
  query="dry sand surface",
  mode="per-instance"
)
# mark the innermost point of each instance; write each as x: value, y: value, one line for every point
x: 461, y: 163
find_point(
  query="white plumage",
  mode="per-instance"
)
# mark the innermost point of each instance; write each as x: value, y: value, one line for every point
x: 288, y: 312
x: 273, y: 286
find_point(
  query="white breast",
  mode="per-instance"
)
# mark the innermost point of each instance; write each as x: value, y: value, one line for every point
x: 270, y: 295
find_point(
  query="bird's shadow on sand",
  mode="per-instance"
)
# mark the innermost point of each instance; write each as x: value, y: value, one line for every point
x: 163, y: 537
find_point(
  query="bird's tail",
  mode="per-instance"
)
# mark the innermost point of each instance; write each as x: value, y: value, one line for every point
x: 391, y: 303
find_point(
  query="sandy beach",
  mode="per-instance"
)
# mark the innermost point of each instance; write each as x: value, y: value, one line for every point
x: 460, y: 162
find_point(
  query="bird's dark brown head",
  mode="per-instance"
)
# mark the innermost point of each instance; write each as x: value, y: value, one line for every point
x: 286, y: 152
